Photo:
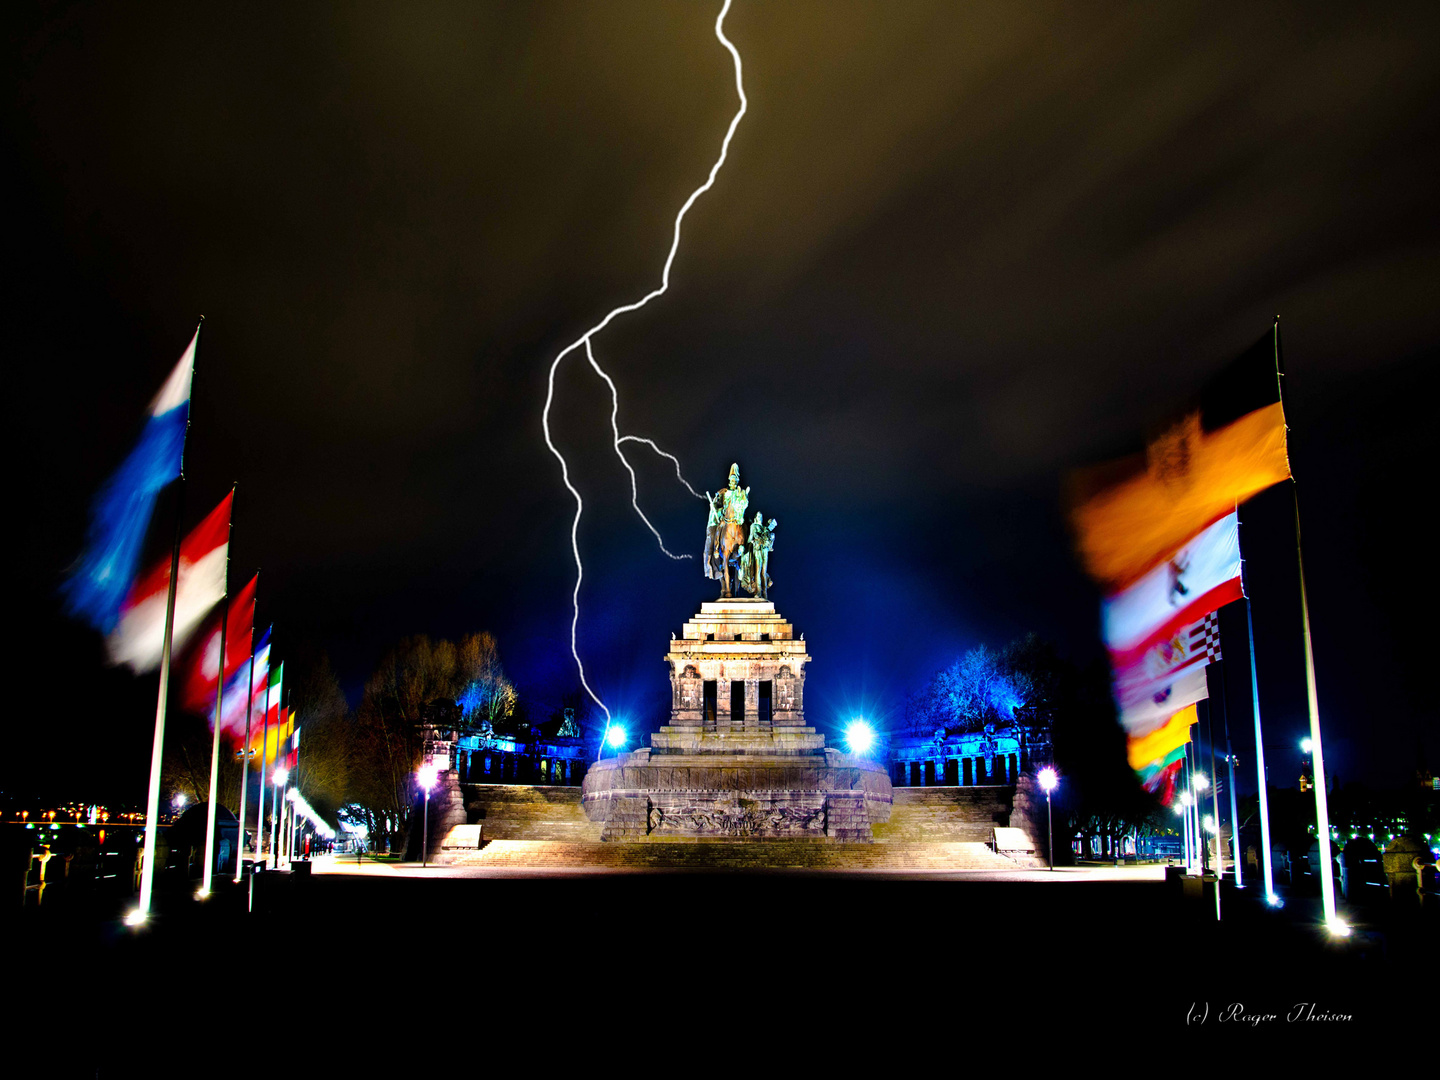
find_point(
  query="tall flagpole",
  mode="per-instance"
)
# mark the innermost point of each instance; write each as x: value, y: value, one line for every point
x: 1317, y: 757
x: 245, y: 751
x: 1236, y: 855
x: 1260, y: 764
x: 152, y: 799
x: 212, y: 809
x: 1322, y: 802
x: 208, y: 874
x: 264, y: 745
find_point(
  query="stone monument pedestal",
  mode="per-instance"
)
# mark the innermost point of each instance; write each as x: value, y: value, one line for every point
x: 736, y: 760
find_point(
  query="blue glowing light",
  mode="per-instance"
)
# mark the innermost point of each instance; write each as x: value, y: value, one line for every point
x: 615, y: 736
x: 859, y: 736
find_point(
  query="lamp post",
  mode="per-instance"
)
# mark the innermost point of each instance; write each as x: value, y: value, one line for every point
x: 1201, y: 783
x: 1048, y: 781
x: 426, y: 778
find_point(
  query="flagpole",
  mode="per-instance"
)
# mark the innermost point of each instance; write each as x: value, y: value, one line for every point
x: 1260, y: 763
x: 152, y: 800
x: 211, y: 812
x: 207, y: 875
x: 1214, y: 806
x: 245, y: 751
x: 1322, y: 802
x: 277, y: 794
x: 1236, y: 857
x: 1322, y: 807
x: 264, y: 745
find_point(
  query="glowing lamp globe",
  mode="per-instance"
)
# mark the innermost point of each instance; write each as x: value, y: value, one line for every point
x: 427, y: 776
x: 1201, y: 782
x: 616, y: 736
x: 859, y: 736
x: 281, y: 776
x: 1306, y: 746
x: 1049, y: 780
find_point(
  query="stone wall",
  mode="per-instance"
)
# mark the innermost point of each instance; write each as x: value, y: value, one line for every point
x: 827, y: 797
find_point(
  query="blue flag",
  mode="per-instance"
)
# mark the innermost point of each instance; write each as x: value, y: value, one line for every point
x: 121, y: 513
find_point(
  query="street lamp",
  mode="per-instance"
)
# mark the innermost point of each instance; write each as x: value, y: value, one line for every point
x: 426, y: 778
x: 1049, y: 779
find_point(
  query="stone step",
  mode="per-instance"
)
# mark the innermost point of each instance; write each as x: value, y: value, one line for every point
x: 529, y: 812
x: 944, y: 815
x: 736, y: 856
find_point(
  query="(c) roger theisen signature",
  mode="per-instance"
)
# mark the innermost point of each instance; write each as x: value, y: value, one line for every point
x: 1236, y: 1013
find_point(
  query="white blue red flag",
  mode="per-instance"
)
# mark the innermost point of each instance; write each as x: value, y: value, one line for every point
x: 97, y: 587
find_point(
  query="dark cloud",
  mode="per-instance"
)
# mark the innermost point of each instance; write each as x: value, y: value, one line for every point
x: 956, y: 250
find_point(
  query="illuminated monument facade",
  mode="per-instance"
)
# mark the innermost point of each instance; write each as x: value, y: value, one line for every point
x: 736, y: 760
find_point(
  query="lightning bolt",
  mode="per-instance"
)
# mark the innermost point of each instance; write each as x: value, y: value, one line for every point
x: 584, y: 339
x: 615, y: 431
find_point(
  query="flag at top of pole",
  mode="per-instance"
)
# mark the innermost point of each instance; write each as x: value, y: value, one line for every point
x: 120, y: 515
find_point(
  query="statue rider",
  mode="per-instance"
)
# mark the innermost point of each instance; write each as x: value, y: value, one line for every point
x: 734, y: 501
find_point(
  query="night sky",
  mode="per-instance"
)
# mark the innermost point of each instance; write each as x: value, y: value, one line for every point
x: 957, y: 251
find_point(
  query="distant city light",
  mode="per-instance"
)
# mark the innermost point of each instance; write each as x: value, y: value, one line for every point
x: 616, y: 736
x: 1201, y: 781
x: 1209, y: 823
x: 179, y: 801
x: 1049, y: 779
x: 859, y: 736
x: 281, y: 776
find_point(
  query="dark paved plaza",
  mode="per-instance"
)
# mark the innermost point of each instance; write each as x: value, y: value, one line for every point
x: 1088, y: 959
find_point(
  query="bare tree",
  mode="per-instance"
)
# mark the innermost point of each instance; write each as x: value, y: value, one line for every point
x: 388, y: 729
x: 486, y: 697
x: 327, y: 741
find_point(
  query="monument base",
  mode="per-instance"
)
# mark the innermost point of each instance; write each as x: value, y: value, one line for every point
x: 828, y: 797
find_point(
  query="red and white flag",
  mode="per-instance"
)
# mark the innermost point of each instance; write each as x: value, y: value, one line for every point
x: 139, y: 637
x: 1201, y: 577
x: 203, y: 662
x: 1189, y: 647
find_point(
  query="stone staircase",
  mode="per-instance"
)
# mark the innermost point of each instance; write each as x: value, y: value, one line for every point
x: 740, y: 855
x: 534, y: 827
x: 526, y: 812
x: 944, y: 815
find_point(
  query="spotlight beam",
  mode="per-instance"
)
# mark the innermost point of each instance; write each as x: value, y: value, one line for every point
x: 584, y: 339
